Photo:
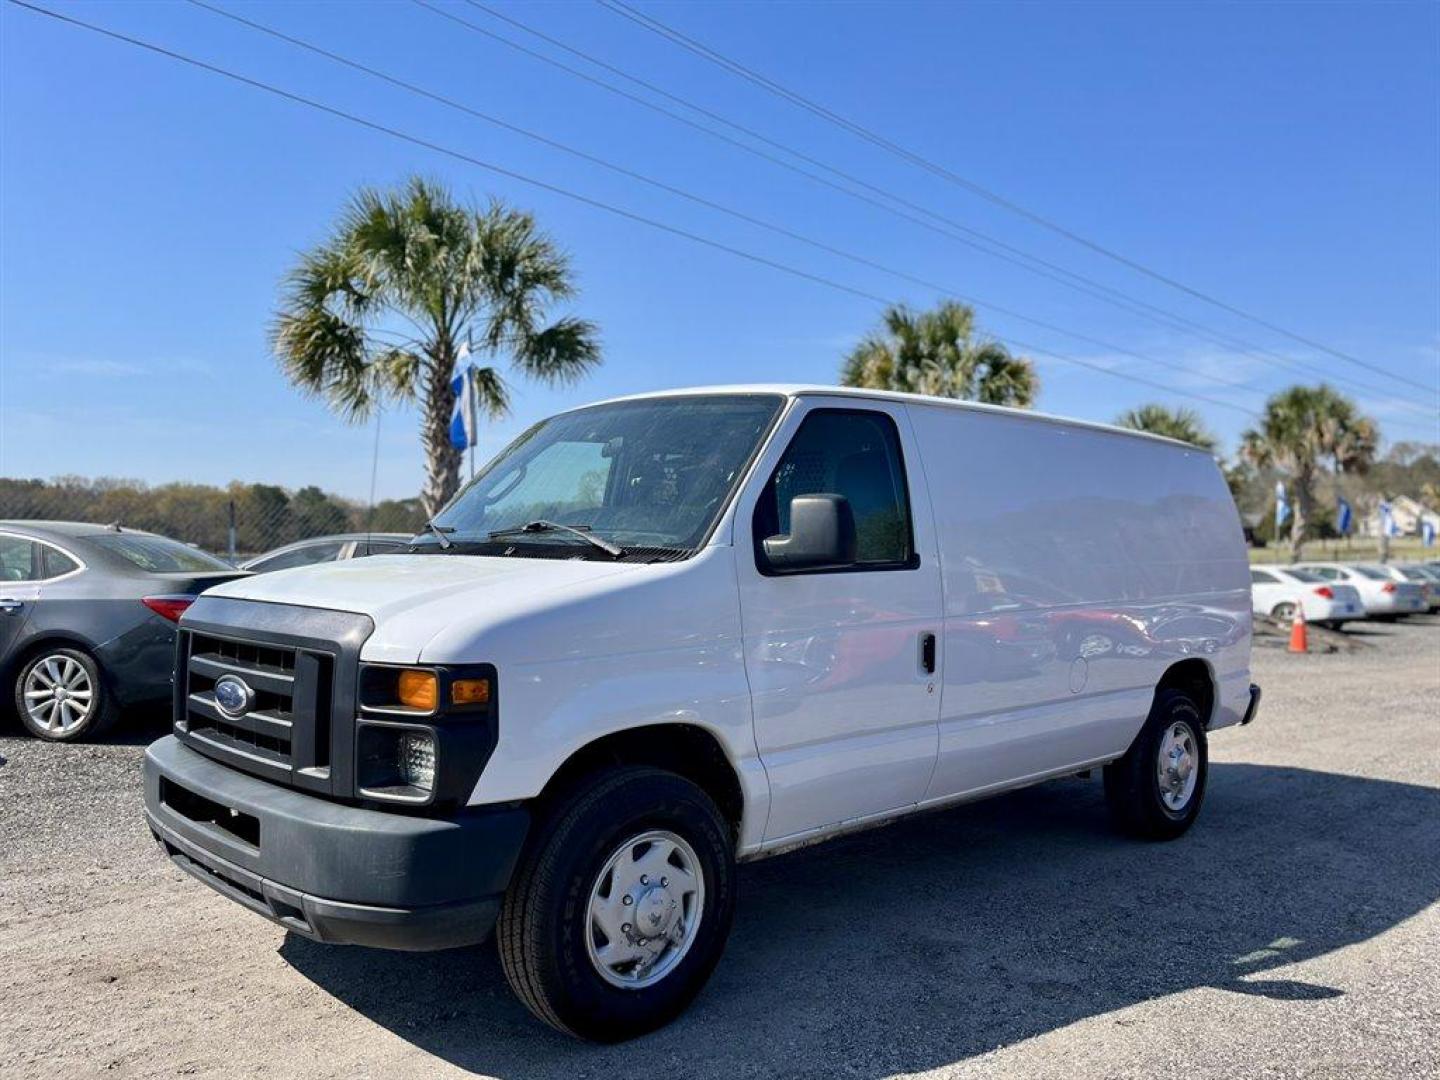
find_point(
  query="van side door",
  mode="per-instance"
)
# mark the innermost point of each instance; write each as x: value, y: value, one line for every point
x: 842, y: 661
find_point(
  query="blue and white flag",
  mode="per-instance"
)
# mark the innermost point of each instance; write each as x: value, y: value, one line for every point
x: 1388, y: 527
x: 1427, y: 532
x: 1343, y: 518
x: 462, y: 423
x: 1282, y: 508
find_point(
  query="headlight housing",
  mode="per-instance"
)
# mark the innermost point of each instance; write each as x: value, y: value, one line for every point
x: 423, y: 733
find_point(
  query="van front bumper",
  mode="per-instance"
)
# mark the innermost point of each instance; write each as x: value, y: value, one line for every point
x: 333, y: 873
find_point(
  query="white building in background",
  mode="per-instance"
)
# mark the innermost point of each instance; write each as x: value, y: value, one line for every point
x: 1407, y: 512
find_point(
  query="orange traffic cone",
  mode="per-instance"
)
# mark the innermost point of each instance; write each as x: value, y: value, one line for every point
x: 1299, y: 640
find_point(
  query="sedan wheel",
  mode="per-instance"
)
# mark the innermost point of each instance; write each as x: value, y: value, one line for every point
x: 59, y: 696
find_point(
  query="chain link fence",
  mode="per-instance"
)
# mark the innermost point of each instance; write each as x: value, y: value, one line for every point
x: 234, y: 522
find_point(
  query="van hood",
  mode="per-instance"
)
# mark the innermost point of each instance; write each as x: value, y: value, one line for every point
x: 411, y: 597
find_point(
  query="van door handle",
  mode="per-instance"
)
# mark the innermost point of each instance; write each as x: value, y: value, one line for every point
x: 9, y: 607
x: 927, y: 653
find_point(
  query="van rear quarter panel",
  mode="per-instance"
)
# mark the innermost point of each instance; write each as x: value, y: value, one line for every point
x: 1078, y: 564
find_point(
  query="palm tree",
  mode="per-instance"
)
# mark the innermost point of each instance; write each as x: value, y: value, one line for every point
x: 1302, y: 429
x: 380, y: 311
x: 1181, y: 424
x: 937, y: 353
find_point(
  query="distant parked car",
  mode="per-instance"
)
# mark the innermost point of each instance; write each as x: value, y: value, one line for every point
x: 1428, y: 579
x: 1382, y: 595
x: 87, y: 620
x: 319, y: 549
x: 1279, y: 591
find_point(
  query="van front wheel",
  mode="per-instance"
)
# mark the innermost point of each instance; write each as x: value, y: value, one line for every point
x: 620, y: 909
x: 1156, y: 789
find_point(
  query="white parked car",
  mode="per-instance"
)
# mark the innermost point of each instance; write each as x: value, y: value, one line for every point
x: 1426, y: 577
x: 664, y: 634
x: 326, y: 549
x: 1382, y: 595
x: 1279, y: 591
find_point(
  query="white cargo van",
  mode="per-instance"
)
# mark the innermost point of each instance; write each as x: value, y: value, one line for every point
x: 664, y: 634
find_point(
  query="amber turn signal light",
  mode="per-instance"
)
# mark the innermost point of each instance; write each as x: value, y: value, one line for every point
x: 470, y: 692
x: 418, y: 690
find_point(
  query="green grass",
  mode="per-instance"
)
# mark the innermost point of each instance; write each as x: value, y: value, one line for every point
x: 1355, y: 549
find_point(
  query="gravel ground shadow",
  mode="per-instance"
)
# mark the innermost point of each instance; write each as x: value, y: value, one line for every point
x: 945, y: 936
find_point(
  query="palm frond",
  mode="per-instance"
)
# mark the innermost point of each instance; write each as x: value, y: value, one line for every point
x: 1184, y: 425
x: 561, y: 353
x: 936, y: 353
x: 492, y: 393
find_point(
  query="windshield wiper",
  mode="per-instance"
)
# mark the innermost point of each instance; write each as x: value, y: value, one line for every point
x: 440, y: 532
x: 542, y: 526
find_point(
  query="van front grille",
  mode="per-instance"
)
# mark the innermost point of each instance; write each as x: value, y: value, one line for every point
x: 287, y: 677
x: 284, y: 723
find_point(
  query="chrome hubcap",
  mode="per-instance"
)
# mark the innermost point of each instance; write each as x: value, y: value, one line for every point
x: 645, y: 907
x: 1178, y: 766
x: 58, y: 695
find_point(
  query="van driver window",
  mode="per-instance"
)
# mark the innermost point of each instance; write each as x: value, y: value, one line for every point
x: 851, y: 453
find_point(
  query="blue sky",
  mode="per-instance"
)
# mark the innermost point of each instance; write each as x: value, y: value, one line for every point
x: 1285, y: 157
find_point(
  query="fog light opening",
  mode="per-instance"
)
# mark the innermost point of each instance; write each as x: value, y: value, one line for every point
x: 415, y: 760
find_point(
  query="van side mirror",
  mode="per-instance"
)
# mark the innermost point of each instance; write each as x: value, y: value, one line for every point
x: 821, y: 537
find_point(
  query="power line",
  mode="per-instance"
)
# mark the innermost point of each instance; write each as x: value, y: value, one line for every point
x: 655, y: 26
x: 700, y: 200
x: 949, y: 228
x: 543, y: 185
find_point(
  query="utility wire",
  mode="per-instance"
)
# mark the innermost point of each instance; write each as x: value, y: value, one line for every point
x: 948, y: 227
x: 586, y: 200
x: 700, y: 200
x: 655, y: 26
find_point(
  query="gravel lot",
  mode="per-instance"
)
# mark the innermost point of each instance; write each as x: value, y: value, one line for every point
x: 1294, y: 932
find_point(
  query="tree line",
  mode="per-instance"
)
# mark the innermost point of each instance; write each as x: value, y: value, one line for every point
x: 264, y: 515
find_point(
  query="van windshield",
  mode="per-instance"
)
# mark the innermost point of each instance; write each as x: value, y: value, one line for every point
x: 649, y: 474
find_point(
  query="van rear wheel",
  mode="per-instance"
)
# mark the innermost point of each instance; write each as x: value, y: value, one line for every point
x: 621, y: 906
x: 1155, y: 790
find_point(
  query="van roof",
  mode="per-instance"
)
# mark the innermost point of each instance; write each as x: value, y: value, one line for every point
x: 816, y: 390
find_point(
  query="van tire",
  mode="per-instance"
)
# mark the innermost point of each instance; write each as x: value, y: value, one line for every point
x: 1132, y: 783
x: 83, y: 676
x: 544, y: 930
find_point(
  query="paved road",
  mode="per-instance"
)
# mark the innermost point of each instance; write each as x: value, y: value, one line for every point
x: 1294, y: 932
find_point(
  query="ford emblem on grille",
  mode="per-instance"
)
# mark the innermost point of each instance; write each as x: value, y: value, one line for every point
x: 233, y: 695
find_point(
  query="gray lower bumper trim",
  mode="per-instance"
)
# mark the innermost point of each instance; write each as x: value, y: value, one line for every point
x: 443, y: 926
x: 327, y: 870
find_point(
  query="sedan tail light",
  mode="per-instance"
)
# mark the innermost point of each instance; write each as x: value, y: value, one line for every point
x: 1326, y: 592
x: 1389, y: 587
x: 168, y: 607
